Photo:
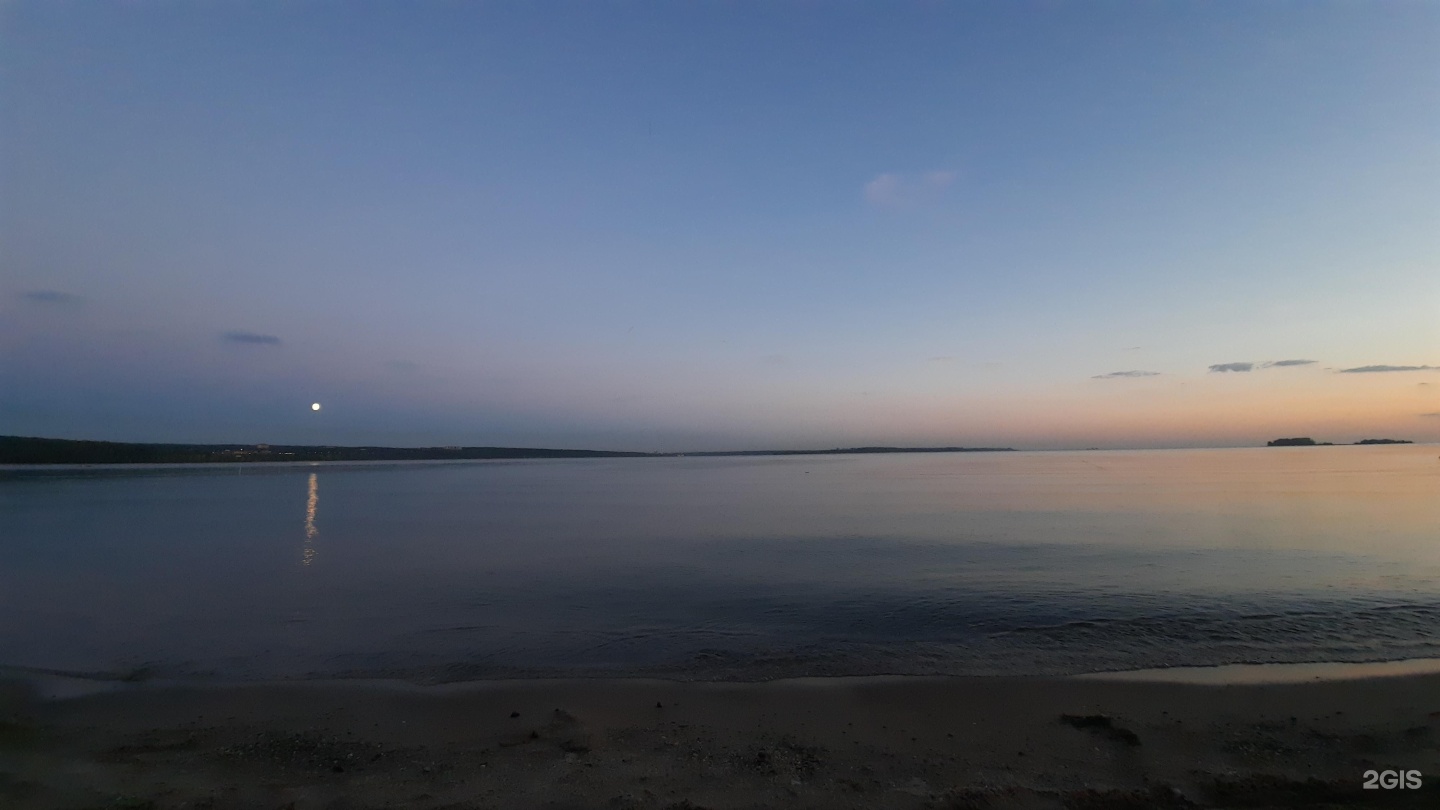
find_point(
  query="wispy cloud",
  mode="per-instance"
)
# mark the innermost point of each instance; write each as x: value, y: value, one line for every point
x: 250, y: 338
x: 1222, y: 367
x: 892, y: 190
x: 1434, y: 413
x: 51, y: 297
x: 938, y: 179
x: 883, y: 190
x: 1115, y: 375
x: 1379, y: 369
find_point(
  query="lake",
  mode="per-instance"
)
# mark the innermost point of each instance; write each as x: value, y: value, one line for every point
x: 740, y: 567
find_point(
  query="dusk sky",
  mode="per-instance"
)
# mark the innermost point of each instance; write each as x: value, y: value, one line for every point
x: 722, y: 225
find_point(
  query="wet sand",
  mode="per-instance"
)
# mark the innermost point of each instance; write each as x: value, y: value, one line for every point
x: 842, y: 742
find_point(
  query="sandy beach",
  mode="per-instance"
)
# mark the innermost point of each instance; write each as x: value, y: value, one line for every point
x: 841, y: 742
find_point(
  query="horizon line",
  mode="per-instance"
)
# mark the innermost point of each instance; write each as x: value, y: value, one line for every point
x: 856, y: 449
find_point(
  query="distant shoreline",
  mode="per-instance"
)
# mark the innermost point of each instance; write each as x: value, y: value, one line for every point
x: 1306, y: 441
x: 28, y: 450
x: 38, y: 451
x: 846, y: 451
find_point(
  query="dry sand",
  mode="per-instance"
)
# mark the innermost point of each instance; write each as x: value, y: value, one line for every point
x: 844, y: 742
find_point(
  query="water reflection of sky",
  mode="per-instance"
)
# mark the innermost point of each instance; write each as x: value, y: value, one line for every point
x: 1179, y: 556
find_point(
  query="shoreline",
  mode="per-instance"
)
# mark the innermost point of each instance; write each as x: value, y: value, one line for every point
x: 55, y: 684
x: 1273, y: 674
x: 41, y: 451
x: 870, y: 741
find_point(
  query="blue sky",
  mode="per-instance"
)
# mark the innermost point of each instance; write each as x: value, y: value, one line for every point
x: 725, y: 225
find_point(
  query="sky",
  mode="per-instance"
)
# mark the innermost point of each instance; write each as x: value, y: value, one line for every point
x: 722, y: 225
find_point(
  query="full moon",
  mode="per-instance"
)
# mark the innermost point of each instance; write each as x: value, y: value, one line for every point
x: 315, y: 406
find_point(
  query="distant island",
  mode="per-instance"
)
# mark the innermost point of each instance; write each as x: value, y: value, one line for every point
x: 1305, y: 441
x: 32, y: 450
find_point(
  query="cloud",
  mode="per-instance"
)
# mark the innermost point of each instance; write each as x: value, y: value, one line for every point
x: 1436, y: 413
x: 1253, y: 366
x: 943, y: 358
x: 883, y: 190
x: 51, y: 297
x: 250, y: 338
x: 892, y: 190
x: 1377, y: 369
x: 1115, y: 375
x: 939, y: 179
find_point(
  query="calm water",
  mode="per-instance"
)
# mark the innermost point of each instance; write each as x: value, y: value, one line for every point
x: 733, y: 568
